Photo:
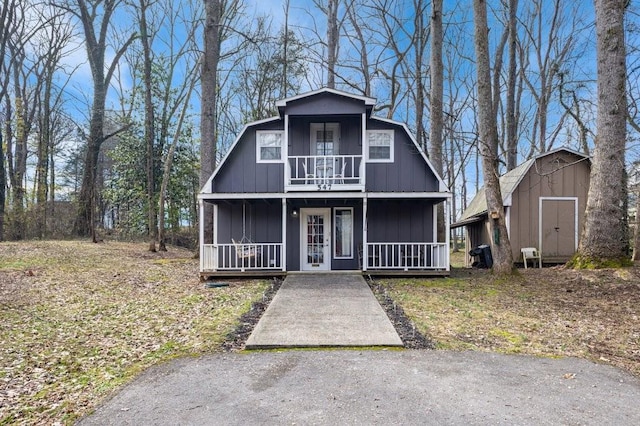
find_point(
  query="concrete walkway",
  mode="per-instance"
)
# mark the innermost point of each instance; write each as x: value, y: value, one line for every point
x: 323, y: 310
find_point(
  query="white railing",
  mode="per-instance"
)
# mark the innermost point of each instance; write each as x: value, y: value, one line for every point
x: 406, y: 256
x: 242, y: 257
x: 325, y: 171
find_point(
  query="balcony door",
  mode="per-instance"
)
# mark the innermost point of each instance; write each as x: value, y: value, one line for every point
x: 316, y: 239
x: 325, y: 145
x: 325, y: 139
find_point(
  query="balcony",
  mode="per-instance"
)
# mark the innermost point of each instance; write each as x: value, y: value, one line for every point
x: 325, y: 173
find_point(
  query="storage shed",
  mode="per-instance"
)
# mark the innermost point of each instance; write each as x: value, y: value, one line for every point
x: 544, y: 200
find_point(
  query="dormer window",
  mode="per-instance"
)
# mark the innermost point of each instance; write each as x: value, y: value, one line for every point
x: 269, y: 146
x: 380, y: 146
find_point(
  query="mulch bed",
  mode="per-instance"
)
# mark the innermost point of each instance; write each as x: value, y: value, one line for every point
x: 408, y: 332
x: 236, y: 339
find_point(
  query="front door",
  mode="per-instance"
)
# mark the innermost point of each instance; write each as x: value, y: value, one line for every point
x: 316, y: 239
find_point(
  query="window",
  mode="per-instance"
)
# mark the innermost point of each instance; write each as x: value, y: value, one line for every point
x: 269, y: 146
x: 343, y: 239
x: 380, y: 146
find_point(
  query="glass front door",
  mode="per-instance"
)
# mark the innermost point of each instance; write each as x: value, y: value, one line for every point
x: 316, y: 239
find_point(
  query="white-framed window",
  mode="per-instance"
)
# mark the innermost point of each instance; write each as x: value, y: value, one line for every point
x: 380, y: 146
x: 343, y: 233
x: 269, y: 146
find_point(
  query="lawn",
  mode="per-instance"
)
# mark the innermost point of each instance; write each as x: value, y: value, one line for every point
x: 593, y: 314
x: 77, y: 320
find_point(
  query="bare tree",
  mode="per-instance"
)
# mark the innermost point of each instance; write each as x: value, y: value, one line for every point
x: 488, y: 144
x: 436, y: 140
x: 604, y: 238
x: 511, y: 117
x: 95, y: 17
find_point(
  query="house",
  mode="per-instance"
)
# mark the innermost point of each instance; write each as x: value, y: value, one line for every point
x: 544, y: 200
x: 323, y: 186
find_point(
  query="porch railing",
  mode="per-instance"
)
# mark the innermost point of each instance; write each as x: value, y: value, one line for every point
x: 242, y: 257
x: 325, y: 171
x: 406, y: 256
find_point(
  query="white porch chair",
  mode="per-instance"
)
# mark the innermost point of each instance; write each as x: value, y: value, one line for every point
x: 531, y: 253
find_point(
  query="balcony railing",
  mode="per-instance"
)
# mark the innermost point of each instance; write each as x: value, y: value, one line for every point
x: 406, y: 256
x: 325, y: 172
x: 242, y: 257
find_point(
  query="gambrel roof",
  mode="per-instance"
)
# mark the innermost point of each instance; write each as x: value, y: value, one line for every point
x: 509, y: 182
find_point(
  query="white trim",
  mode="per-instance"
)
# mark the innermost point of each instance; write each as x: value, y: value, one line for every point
x: 507, y: 219
x: 409, y: 195
x: 216, y: 222
x: 365, y: 237
x: 201, y: 232
x: 258, y: 146
x: 283, y: 252
x: 334, y: 234
x: 363, y: 144
x: 447, y: 232
x: 575, y: 211
x: 285, y: 151
x: 329, y: 195
x: 392, y: 135
x: 434, y: 212
x: 304, y: 213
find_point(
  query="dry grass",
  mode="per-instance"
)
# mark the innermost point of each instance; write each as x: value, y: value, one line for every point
x: 78, y: 319
x: 550, y: 312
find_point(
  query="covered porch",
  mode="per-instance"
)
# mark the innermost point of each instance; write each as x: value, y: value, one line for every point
x: 323, y: 232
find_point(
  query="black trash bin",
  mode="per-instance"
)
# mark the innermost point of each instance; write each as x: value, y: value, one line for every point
x: 483, y: 255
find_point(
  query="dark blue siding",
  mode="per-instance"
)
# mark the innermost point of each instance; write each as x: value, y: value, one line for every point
x: 408, y: 173
x: 400, y: 221
x: 241, y: 173
x: 325, y: 103
x: 262, y: 221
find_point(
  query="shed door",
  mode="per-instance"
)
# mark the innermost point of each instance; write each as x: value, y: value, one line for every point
x: 559, y: 227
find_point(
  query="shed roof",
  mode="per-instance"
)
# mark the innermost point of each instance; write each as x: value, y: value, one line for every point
x: 477, y: 208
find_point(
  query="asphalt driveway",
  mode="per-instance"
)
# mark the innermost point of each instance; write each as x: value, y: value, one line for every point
x: 375, y: 387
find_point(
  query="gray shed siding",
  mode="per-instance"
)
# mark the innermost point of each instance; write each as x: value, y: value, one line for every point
x: 240, y: 172
x: 408, y: 172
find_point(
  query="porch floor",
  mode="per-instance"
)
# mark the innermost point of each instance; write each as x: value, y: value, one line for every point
x: 323, y: 310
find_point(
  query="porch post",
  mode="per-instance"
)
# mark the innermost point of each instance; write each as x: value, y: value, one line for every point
x: 201, y: 232
x: 283, y: 254
x: 363, y: 165
x: 215, y: 236
x: 285, y: 154
x: 365, y: 250
x: 447, y: 232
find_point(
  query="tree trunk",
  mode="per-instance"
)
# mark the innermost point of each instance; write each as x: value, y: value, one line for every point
x: 436, y: 96
x: 512, y: 123
x: 488, y: 144
x: 604, y: 239
x: 149, y: 130
x: 208, y: 119
x: 332, y: 42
